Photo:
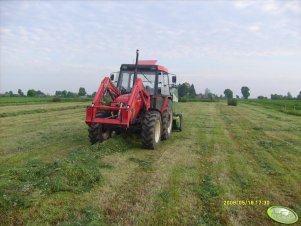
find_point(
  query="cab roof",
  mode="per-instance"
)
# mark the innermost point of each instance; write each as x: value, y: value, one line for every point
x: 145, y: 64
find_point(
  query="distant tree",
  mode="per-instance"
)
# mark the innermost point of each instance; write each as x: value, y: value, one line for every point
x: 289, y: 96
x: 20, y: 93
x: 299, y: 96
x: 34, y: 93
x: 39, y: 93
x: 277, y: 97
x: 206, y: 93
x: 93, y: 94
x: 228, y: 93
x: 31, y: 93
x: 183, y: 89
x: 71, y: 95
x: 192, y: 92
x: 260, y: 97
x: 58, y: 93
x: 9, y: 94
x: 211, y: 96
x: 186, y: 90
x: 200, y: 96
x: 245, y: 92
x: 82, y: 91
x: 237, y: 97
x: 64, y: 93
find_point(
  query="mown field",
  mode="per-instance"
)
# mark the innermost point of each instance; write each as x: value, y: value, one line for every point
x: 4, y: 101
x: 51, y: 175
x: 292, y: 107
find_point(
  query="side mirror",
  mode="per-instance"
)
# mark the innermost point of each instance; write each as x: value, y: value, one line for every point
x: 174, y: 79
x: 112, y: 77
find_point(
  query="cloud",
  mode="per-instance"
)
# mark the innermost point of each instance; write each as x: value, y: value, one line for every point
x: 241, y: 4
x: 72, y: 36
x: 71, y: 28
x: 275, y: 7
x: 254, y: 28
x: 271, y: 6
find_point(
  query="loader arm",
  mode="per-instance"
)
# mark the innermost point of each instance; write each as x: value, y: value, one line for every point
x: 126, y: 113
x: 106, y: 85
x: 138, y: 89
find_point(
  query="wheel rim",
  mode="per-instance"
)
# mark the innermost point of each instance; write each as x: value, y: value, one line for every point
x: 157, y: 131
x: 170, y: 124
x: 105, y: 135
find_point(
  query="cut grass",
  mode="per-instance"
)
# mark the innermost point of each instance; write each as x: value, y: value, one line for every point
x: 78, y: 173
x: 8, y: 110
x: 51, y: 175
x: 143, y: 164
x: 41, y: 110
x: 37, y: 100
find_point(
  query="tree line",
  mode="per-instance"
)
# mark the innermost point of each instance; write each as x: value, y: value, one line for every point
x: 38, y: 93
x: 185, y: 91
x: 285, y: 97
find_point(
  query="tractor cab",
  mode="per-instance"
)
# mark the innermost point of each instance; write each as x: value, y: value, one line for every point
x: 155, y: 78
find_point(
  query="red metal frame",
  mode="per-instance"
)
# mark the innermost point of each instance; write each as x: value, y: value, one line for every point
x: 106, y: 85
x: 164, y: 104
x: 147, y: 62
x: 126, y: 112
x: 162, y: 68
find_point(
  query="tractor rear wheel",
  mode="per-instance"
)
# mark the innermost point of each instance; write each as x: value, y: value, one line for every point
x: 167, y: 121
x: 151, y: 130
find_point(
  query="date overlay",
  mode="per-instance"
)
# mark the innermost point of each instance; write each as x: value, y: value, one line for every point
x: 246, y: 202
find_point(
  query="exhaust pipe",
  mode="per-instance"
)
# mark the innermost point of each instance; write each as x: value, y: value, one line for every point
x: 136, y: 66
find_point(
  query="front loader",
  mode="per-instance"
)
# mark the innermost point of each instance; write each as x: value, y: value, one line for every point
x: 142, y: 99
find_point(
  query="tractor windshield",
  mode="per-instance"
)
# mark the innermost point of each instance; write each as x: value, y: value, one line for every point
x: 125, y: 81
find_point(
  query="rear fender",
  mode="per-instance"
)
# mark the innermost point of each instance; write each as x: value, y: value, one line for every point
x: 164, y: 105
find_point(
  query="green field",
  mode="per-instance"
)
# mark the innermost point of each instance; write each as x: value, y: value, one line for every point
x: 51, y: 175
x: 292, y: 107
x: 4, y: 101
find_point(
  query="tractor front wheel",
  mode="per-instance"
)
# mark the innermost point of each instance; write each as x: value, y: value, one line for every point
x: 97, y: 133
x: 151, y: 130
x: 167, y: 122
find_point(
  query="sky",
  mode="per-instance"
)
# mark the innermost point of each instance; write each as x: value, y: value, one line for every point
x: 57, y: 45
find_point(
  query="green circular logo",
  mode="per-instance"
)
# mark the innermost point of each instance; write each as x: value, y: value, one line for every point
x: 282, y: 214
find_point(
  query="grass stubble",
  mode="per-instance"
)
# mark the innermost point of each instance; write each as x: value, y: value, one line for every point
x: 51, y: 175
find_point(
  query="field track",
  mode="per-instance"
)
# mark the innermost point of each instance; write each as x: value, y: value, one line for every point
x: 51, y: 175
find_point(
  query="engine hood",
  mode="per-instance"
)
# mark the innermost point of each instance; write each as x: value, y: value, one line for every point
x: 123, y: 98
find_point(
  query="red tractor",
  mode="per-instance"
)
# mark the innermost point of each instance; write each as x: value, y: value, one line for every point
x: 141, y: 99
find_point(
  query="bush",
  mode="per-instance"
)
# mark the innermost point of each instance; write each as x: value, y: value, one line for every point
x: 56, y: 99
x: 232, y: 102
